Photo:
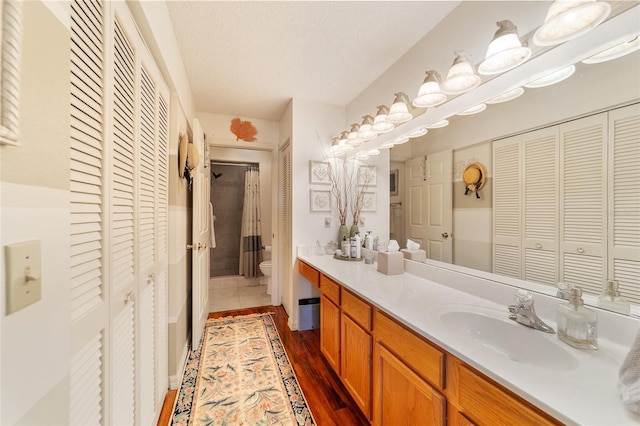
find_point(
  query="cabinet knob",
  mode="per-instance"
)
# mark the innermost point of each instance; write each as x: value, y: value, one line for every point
x: 193, y: 246
x: 130, y: 297
x: 445, y: 235
x: 580, y: 250
x: 538, y: 245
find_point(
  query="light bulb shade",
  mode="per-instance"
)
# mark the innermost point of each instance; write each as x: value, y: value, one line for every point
x: 399, y: 111
x: 505, y: 51
x: 614, y: 52
x: 568, y: 19
x: 420, y: 131
x: 362, y: 157
x: 506, y: 96
x: 552, y: 78
x: 380, y: 123
x: 387, y: 145
x: 429, y: 94
x: 473, y: 110
x: 353, y: 139
x: 461, y: 77
x: 374, y: 152
x: 439, y: 124
x: 343, y: 138
x: 366, y: 131
x: 400, y: 140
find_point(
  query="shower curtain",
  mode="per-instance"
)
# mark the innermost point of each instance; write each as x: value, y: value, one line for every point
x: 251, y: 243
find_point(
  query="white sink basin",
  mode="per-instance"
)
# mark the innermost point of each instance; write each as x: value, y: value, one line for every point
x: 493, y: 330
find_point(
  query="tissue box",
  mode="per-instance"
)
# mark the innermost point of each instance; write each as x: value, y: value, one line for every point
x: 390, y: 263
x: 417, y: 255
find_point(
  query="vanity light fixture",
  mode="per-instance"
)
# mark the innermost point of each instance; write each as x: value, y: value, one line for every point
x: 552, y: 78
x: 429, y: 94
x: 615, y: 52
x: 461, y: 77
x: 505, y: 51
x: 506, y: 96
x: 568, y: 19
x: 420, y: 131
x: 439, y: 124
x: 366, y: 132
x: 380, y: 123
x: 353, y: 139
x: 399, y: 111
x: 400, y: 140
x: 473, y: 110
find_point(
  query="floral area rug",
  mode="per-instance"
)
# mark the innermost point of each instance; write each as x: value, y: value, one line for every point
x: 240, y: 375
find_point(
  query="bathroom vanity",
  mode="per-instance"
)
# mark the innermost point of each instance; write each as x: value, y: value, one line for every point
x: 434, y: 345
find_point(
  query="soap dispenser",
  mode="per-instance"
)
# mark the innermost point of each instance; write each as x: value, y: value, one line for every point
x: 612, y: 300
x: 577, y: 325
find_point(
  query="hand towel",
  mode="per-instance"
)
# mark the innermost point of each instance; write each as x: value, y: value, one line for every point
x: 629, y: 384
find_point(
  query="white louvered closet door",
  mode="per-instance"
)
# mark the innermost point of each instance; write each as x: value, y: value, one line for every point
x: 89, y: 313
x: 539, y: 190
x: 285, y: 221
x: 122, y: 207
x: 623, y: 211
x: 583, y: 226
x: 507, y: 207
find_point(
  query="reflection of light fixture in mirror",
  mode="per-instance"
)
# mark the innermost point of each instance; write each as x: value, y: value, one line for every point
x: 420, y: 131
x: 399, y: 111
x: 473, y: 110
x: 353, y: 135
x: 344, y: 136
x: 506, y: 96
x: 567, y: 19
x: 380, y: 123
x: 430, y: 94
x: 505, y: 51
x: 362, y: 156
x: 366, y: 132
x: 387, y: 145
x: 400, y: 140
x: 614, y: 52
x: 552, y: 78
x: 438, y: 124
x: 461, y: 77
x: 374, y: 152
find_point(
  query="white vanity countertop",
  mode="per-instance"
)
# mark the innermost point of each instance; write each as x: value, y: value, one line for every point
x: 586, y: 394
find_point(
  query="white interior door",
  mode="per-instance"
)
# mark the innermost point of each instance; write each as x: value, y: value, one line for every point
x: 415, y: 194
x: 200, y: 239
x: 439, y: 208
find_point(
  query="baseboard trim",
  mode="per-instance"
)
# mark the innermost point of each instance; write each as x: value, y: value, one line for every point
x: 176, y: 379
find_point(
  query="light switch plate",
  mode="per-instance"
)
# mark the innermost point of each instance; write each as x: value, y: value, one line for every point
x: 24, y: 274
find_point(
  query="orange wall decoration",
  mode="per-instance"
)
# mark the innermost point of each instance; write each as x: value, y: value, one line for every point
x: 243, y: 130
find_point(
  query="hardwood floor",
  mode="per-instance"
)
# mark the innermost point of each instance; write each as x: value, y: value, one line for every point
x: 328, y: 400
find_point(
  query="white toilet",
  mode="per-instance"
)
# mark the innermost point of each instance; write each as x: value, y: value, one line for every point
x: 265, y: 267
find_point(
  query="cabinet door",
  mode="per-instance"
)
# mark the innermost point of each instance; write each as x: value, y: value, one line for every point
x: 583, y: 226
x: 356, y: 363
x: 330, y: 332
x: 401, y: 397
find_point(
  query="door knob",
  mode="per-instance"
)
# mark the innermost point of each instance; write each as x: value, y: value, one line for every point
x: 193, y: 246
x: 445, y: 235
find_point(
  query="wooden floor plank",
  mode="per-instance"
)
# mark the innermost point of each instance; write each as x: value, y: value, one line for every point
x: 328, y: 400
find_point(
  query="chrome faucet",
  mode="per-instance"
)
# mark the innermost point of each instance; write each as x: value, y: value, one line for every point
x: 522, y: 312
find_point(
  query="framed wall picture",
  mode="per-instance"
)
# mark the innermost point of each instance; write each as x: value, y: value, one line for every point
x: 320, y: 200
x: 367, y: 175
x: 393, y: 183
x: 319, y: 172
x: 369, y: 201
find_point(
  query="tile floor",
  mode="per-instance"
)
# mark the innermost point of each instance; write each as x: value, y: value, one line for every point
x: 226, y: 293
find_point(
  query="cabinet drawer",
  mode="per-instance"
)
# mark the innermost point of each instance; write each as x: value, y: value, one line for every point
x: 357, y: 309
x: 423, y: 358
x: 486, y: 403
x: 330, y: 289
x: 310, y: 273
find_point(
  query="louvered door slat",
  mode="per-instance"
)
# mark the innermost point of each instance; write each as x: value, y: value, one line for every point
x: 86, y: 384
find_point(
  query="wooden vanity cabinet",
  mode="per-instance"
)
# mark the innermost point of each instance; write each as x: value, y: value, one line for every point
x: 408, y: 377
x: 309, y: 272
x: 356, y: 350
x: 330, y: 322
x: 473, y: 398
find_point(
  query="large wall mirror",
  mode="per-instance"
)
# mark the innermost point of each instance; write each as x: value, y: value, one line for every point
x: 593, y: 90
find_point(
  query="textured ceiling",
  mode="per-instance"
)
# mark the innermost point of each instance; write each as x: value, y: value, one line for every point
x: 249, y: 58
